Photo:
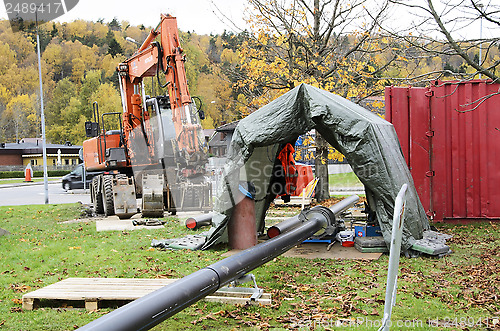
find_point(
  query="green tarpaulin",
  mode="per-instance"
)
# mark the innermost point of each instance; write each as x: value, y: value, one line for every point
x: 368, y: 142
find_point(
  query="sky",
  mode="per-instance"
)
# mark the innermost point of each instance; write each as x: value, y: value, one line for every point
x: 198, y: 16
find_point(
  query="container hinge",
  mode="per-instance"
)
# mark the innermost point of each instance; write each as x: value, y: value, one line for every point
x: 430, y: 173
x: 429, y: 93
x: 429, y: 133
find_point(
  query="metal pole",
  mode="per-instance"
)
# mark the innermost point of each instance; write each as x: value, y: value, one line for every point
x: 84, y: 177
x: 340, y: 206
x: 152, y: 309
x: 392, y: 273
x: 44, y: 144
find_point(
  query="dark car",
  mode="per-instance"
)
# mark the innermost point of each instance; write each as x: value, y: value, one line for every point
x: 74, y: 179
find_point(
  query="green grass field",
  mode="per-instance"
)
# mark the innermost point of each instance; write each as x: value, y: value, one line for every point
x: 460, y: 288
x: 348, y: 179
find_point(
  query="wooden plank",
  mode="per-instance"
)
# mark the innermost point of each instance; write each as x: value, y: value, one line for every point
x: 95, y: 290
x: 90, y: 304
x: 28, y: 303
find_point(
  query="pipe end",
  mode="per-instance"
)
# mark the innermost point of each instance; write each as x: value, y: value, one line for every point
x: 191, y: 223
x: 273, y: 232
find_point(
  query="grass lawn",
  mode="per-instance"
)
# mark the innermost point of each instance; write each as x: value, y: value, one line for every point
x: 460, y: 288
x: 348, y: 179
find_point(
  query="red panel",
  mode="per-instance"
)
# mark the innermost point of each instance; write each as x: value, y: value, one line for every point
x: 419, y: 118
x: 440, y: 156
x: 458, y: 137
x: 399, y: 114
x: 441, y: 132
x: 412, y: 138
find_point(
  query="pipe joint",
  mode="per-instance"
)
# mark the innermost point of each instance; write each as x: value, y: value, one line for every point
x: 325, y: 216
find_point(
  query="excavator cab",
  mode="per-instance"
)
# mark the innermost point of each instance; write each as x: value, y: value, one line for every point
x: 163, y: 127
x: 167, y: 135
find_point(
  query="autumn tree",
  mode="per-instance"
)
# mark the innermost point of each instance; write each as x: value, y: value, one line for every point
x: 330, y: 44
x: 20, y: 118
x: 91, y: 83
x: 462, y: 36
x: 79, y: 61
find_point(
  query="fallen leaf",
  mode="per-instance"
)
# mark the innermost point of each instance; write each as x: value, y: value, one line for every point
x: 17, y: 301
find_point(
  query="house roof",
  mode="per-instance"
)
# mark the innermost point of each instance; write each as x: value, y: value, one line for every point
x: 227, y: 127
x: 218, y: 141
x: 34, y: 146
x: 208, y: 133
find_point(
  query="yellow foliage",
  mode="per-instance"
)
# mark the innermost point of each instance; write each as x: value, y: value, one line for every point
x: 21, y: 117
x: 229, y: 56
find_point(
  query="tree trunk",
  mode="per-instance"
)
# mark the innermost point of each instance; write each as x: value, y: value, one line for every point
x: 321, y: 165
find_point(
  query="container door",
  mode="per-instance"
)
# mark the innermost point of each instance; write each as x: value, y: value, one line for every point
x: 408, y: 109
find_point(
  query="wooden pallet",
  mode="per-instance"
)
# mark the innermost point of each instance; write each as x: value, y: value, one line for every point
x: 93, y: 291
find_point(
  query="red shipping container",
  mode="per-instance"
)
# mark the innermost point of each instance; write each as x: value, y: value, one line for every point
x: 450, y: 137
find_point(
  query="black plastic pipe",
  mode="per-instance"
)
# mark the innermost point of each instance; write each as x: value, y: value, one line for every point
x: 198, y: 221
x: 150, y: 310
x: 340, y: 206
x: 295, y: 221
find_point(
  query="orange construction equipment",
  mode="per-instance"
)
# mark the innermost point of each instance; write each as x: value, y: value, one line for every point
x: 288, y: 163
x: 159, y: 153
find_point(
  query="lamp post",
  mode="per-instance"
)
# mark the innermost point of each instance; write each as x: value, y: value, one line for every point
x: 44, y: 144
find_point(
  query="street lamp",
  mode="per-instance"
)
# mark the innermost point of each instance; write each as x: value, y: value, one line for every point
x: 44, y: 144
x: 132, y: 40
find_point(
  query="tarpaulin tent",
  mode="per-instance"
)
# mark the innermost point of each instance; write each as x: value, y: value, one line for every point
x: 368, y: 142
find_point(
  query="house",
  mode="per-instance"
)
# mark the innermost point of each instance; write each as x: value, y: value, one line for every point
x: 208, y: 133
x: 219, y: 144
x: 16, y: 156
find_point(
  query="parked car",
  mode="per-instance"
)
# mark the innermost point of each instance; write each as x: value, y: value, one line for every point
x: 74, y: 178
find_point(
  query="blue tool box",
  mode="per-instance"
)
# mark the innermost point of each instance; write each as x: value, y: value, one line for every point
x: 367, y: 231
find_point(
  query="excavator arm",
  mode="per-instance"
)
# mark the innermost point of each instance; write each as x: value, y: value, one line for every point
x: 163, y: 59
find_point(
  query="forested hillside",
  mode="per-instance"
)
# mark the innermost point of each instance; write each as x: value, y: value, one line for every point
x: 78, y: 68
x: 233, y: 74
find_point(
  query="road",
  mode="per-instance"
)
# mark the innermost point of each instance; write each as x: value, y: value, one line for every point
x: 34, y: 194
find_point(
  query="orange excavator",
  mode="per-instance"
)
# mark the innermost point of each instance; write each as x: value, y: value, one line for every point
x: 158, y: 154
